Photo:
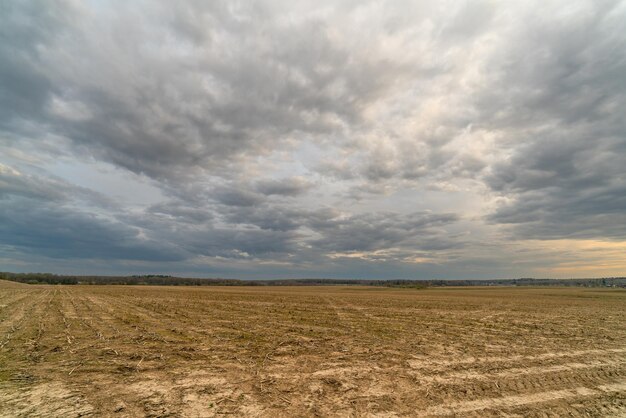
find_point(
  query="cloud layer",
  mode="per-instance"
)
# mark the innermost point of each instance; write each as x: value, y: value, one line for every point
x: 347, y: 139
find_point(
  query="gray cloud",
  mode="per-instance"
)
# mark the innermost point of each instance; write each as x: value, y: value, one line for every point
x: 25, y: 85
x: 339, y: 134
x: 565, y: 173
x: 157, y: 99
x: 293, y: 186
x: 234, y: 196
x: 377, y: 231
x: 12, y: 182
x: 44, y: 216
x: 48, y: 189
x: 60, y: 232
x: 266, y: 217
x: 180, y: 212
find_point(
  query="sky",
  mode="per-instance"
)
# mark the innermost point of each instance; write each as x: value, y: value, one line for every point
x: 339, y: 139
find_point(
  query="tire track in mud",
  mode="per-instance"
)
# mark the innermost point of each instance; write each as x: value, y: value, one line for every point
x: 468, y: 389
x: 424, y: 362
x: 517, y: 380
x: 516, y: 372
x: 514, y: 382
x: 505, y: 402
x: 511, y: 377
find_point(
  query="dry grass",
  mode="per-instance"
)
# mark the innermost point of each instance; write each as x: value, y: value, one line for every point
x: 5, y: 284
x: 311, y: 351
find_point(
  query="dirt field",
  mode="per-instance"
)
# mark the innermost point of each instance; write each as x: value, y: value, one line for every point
x: 311, y: 351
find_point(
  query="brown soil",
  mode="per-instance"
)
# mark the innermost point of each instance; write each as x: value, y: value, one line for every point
x: 5, y: 284
x: 311, y: 351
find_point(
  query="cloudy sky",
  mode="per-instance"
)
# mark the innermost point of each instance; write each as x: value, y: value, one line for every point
x: 362, y: 139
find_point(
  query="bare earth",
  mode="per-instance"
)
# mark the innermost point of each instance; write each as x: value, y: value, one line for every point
x: 311, y: 351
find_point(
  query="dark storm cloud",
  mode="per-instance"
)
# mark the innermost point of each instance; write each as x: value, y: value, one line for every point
x: 40, y: 216
x: 25, y: 86
x: 12, y: 182
x: 565, y: 175
x: 58, y: 232
x: 46, y: 189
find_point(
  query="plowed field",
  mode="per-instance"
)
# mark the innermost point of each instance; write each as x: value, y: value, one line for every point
x: 311, y: 351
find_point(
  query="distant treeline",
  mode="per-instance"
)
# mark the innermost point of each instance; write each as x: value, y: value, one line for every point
x: 164, y: 280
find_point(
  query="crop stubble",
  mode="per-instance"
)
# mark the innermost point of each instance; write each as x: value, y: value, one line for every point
x: 311, y: 351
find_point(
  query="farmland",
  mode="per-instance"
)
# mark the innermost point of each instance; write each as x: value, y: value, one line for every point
x: 311, y: 351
